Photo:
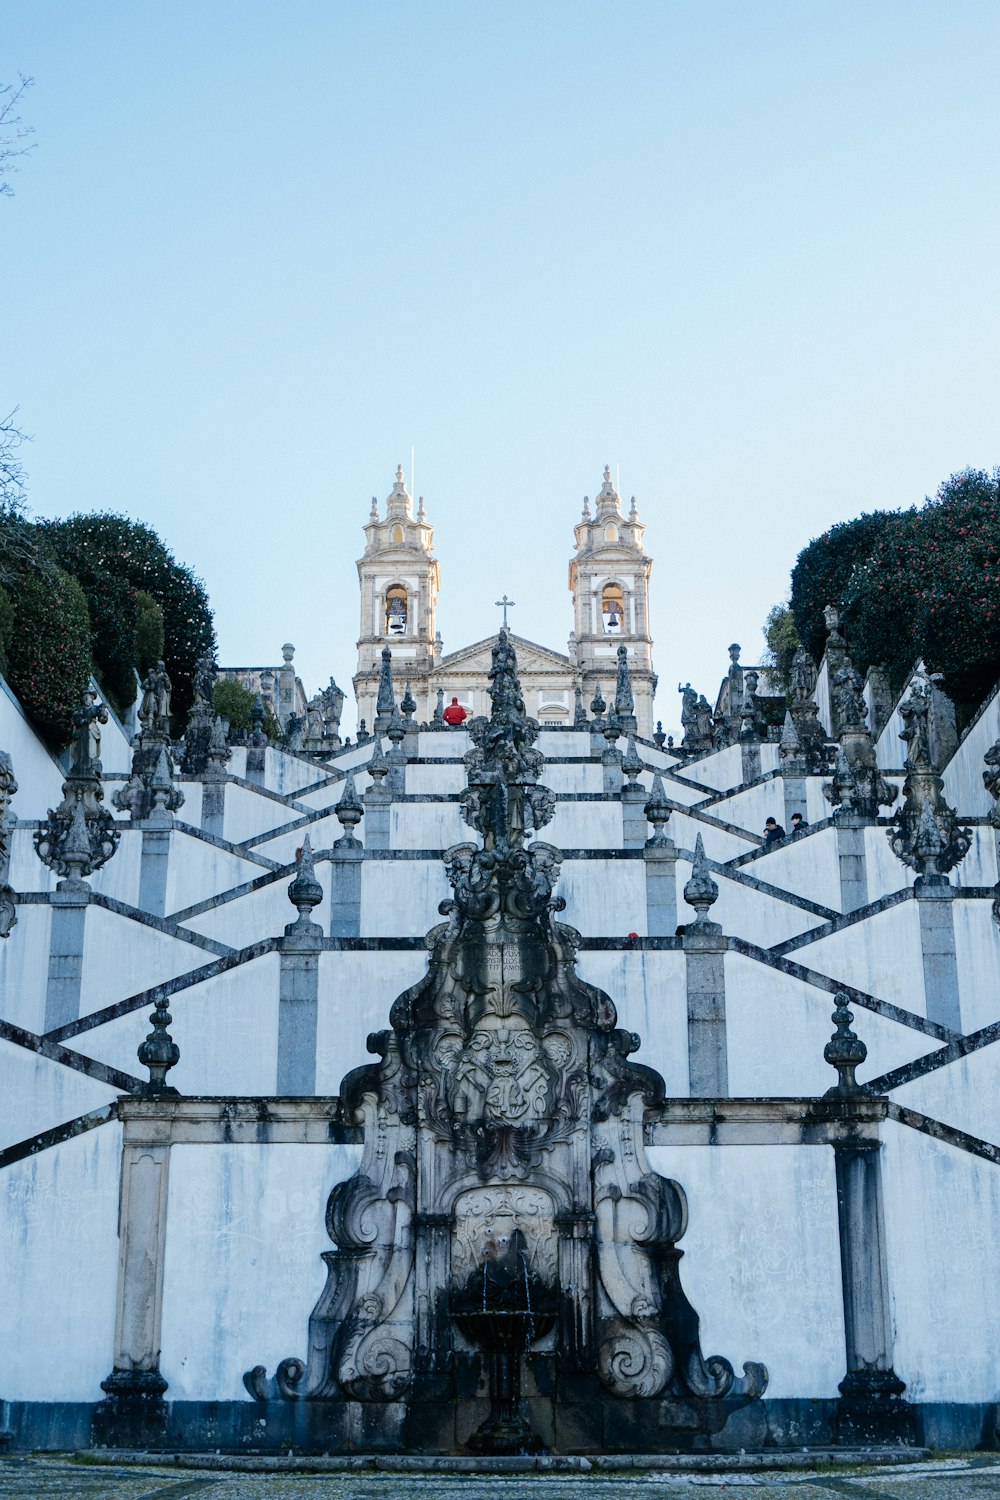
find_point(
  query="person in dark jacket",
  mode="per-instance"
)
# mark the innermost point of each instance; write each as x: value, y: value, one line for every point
x: 773, y: 831
x: 798, y: 823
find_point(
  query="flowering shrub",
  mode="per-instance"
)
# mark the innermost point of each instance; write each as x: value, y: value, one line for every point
x: 48, y: 655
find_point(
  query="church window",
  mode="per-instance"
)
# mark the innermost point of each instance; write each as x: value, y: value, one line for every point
x: 611, y: 533
x: 395, y: 610
x: 397, y: 536
x: 613, y: 609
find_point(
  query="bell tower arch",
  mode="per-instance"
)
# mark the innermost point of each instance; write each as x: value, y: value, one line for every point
x: 398, y: 576
x: 609, y: 581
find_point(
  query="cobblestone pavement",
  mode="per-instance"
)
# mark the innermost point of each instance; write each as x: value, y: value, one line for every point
x: 970, y: 1478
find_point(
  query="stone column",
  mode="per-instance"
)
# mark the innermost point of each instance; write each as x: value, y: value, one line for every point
x: 576, y: 1278
x: 661, y: 889
x: 69, y: 915
x: 853, y: 864
x: 870, y: 1408
x: 134, y: 1412
x: 298, y: 1008
x: 937, y: 947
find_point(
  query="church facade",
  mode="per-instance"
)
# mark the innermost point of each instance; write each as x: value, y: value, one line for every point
x: 609, y: 573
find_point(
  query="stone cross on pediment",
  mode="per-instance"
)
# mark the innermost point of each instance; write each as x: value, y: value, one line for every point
x: 505, y: 604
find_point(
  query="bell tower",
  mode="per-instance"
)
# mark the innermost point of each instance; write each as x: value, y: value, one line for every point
x: 398, y: 574
x: 609, y: 581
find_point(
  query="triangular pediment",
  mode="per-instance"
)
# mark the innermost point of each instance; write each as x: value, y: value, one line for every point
x: 478, y: 657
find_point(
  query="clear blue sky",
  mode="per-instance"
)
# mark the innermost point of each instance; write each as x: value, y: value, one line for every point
x: 746, y: 252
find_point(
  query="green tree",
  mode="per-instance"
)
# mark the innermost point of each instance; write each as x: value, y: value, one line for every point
x: 931, y: 588
x: 782, y: 642
x: 48, y: 655
x: 115, y: 560
x: 234, y: 702
x: 825, y: 573
x: 148, y: 631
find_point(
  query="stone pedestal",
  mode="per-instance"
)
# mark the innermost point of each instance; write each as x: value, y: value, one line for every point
x: 708, y: 1063
x: 298, y: 1004
x: 378, y: 801
x: 345, y: 890
x: 213, y: 808
x: 69, y: 915
x: 750, y: 760
x: 634, y: 825
x: 661, y: 889
x: 154, y: 863
x: 937, y: 946
x: 853, y: 863
x: 794, y: 789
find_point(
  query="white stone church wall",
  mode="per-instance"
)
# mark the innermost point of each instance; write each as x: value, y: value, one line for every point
x: 761, y: 1261
x: 39, y: 775
x: 245, y: 1232
x: 942, y: 1212
x: 59, y: 1269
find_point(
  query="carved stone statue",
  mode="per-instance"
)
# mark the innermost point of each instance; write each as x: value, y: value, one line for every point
x: 504, y: 1203
x: 80, y: 835
x: 927, y: 836
x: 154, y: 711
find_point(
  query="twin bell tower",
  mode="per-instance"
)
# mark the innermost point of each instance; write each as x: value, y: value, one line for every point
x: 609, y: 583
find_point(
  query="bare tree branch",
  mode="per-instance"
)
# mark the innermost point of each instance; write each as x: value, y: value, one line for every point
x: 13, y: 131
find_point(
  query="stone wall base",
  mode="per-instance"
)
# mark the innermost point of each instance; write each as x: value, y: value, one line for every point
x: 326, y: 1427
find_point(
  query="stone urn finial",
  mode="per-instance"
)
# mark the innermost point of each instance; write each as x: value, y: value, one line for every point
x: 701, y: 891
x: 844, y: 1051
x: 159, y: 1052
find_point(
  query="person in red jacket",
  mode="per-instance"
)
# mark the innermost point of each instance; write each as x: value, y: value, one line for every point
x: 454, y: 714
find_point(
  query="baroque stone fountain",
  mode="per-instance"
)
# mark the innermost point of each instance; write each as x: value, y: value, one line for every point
x: 506, y: 1273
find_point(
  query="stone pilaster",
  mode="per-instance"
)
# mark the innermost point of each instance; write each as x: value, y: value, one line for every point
x: 870, y: 1407
x: 134, y: 1413
x: 62, y: 992
x: 935, y: 905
